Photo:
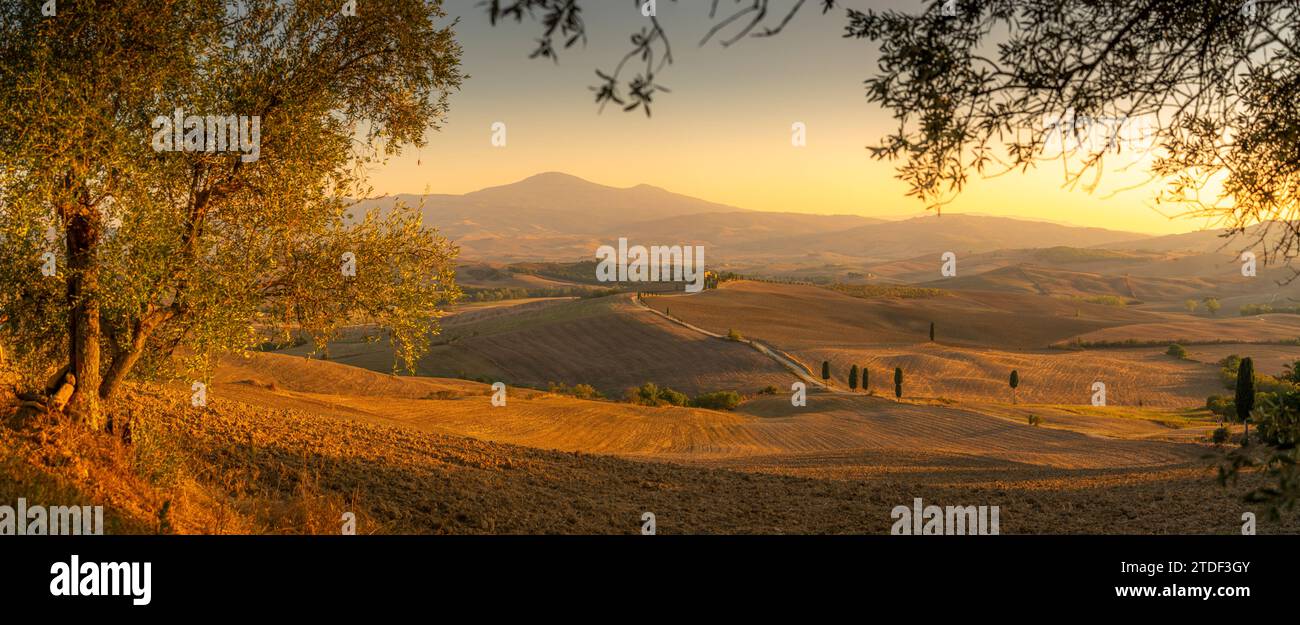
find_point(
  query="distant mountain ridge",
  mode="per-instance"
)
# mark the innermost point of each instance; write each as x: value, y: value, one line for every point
x: 554, y: 216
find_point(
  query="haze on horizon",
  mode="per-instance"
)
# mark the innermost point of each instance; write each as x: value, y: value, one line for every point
x: 723, y: 133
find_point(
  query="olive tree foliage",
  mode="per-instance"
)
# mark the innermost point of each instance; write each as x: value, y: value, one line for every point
x: 167, y: 259
x: 632, y: 82
x: 985, y: 86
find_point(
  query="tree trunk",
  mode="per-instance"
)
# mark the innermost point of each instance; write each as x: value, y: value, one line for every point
x: 83, y: 315
x: 125, y: 359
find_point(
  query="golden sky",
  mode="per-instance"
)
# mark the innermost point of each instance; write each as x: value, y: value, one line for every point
x: 723, y: 134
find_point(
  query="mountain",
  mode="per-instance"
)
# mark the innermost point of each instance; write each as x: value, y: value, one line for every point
x: 555, y: 216
x: 960, y: 234
x: 558, y: 217
x: 1209, y: 241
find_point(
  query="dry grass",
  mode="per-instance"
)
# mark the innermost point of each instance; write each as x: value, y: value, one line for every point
x: 241, y: 468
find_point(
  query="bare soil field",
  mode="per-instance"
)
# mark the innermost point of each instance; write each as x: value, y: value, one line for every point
x: 606, y: 342
x: 237, y: 468
x: 796, y: 317
x: 287, y: 444
x: 1258, y: 328
x: 1133, y: 377
x: 887, y: 332
x: 1269, y: 359
x: 1037, y: 280
x: 769, y: 426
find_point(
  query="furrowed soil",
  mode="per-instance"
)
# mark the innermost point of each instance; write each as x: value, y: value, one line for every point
x: 246, y: 468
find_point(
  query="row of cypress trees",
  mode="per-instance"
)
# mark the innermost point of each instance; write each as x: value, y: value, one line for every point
x: 898, y: 378
x: 853, y: 377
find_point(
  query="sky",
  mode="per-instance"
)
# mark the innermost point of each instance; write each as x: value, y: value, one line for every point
x: 724, y: 132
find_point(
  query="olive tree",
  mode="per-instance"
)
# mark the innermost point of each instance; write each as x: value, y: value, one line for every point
x: 126, y: 252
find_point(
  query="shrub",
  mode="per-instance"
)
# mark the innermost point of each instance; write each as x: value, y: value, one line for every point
x: 673, y: 398
x: 1228, y: 370
x: 733, y: 335
x: 770, y: 389
x: 646, y: 395
x: 1034, y: 420
x: 1177, y: 351
x: 1103, y: 300
x: 718, y: 400
x: 587, y: 391
x: 581, y: 391
x: 1220, y: 436
x: 1223, y: 406
x: 651, y: 394
x: 1278, y: 419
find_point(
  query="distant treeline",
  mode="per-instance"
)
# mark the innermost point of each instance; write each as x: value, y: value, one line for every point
x: 582, y: 271
x: 648, y: 394
x: 868, y: 291
x: 1247, y: 310
x: 1103, y: 300
x: 1077, y: 343
x: 498, y: 294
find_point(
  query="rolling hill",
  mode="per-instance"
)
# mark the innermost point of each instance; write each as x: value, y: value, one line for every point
x: 1039, y: 280
x: 555, y: 216
x: 800, y: 316
x: 606, y: 342
x: 1212, y: 241
x: 961, y: 234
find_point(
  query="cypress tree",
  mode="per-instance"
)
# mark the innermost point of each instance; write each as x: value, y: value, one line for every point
x: 931, y: 331
x: 898, y: 382
x: 1015, y: 382
x: 1245, y: 398
x: 826, y: 370
x: 853, y: 378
